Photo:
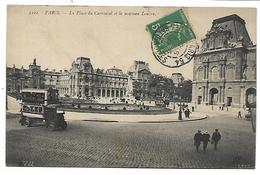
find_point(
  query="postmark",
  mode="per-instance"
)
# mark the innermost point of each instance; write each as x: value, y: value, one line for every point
x: 173, y: 40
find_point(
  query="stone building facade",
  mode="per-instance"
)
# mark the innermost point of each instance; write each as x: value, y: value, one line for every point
x: 177, y: 79
x: 18, y: 79
x: 33, y: 77
x: 51, y: 78
x: 139, y: 76
x: 82, y: 81
x: 224, y: 71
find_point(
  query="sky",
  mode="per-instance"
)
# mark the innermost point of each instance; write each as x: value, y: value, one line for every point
x: 56, y: 40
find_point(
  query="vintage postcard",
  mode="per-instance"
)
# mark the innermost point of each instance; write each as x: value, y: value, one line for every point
x: 131, y: 87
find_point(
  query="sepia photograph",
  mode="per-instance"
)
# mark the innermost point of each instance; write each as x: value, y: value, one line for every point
x: 131, y: 87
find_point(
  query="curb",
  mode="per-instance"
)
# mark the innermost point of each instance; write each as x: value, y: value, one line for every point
x: 172, y: 121
x: 108, y: 121
x: 120, y: 112
x: 169, y: 121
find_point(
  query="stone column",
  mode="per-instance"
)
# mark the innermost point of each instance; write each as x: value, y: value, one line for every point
x: 203, y: 95
x: 77, y: 90
x: 90, y: 91
x: 194, y: 93
x: 114, y: 93
x: 105, y: 92
x: 204, y: 72
x: 83, y: 92
x: 110, y: 92
x: 220, y: 71
x: 220, y: 94
x: 207, y: 94
x: 77, y: 84
x: 242, y: 97
x: 223, y: 94
x: 224, y: 71
x: 207, y: 71
x: 94, y: 92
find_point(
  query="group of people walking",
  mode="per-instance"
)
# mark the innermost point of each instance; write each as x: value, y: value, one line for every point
x: 184, y: 109
x: 205, y: 139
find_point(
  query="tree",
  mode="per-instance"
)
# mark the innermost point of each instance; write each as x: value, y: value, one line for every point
x: 160, y: 86
x: 184, y: 91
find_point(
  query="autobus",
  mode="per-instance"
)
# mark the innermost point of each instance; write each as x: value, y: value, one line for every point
x: 40, y: 105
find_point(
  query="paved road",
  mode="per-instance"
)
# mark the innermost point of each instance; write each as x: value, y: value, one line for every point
x: 108, y: 144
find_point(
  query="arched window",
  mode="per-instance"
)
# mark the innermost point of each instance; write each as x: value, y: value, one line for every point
x: 251, y: 73
x: 219, y: 41
x: 214, y: 73
x: 211, y: 42
x: 200, y: 73
x: 250, y: 96
x: 254, y: 70
x: 230, y: 72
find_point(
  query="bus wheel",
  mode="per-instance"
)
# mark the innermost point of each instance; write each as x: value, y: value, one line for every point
x: 52, y: 126
x: 27, y: 122
x: 64, y: 125
x: 21, y: 121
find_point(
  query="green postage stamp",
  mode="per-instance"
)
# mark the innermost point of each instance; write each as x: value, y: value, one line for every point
x: 173, y: 40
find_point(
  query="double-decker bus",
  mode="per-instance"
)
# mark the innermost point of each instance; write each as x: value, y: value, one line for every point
x: 40, y: 105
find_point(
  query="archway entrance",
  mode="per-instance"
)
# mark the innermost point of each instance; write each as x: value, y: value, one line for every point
x: 250, y: 97
x: 213, y: 94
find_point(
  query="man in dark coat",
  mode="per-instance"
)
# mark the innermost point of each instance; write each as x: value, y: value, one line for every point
x: 187, y: 113
x: 197, y: 140
x: 239, y: 114
x: 180, y: 114
x: 205, y: 140
x: 215, y: 138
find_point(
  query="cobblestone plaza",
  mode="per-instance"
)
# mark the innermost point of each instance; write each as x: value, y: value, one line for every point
x: 109, y: 144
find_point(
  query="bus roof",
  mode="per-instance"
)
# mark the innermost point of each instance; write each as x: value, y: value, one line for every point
x: 34, y: 90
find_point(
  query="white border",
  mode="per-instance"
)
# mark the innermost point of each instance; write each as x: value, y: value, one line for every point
x: 188, y: 3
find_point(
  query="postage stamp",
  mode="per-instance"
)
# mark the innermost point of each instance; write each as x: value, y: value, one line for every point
x: 173, y: 40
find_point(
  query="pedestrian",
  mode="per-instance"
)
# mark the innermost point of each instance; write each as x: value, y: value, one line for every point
x: 180, y: 114
x: 239, y: 114
x: 188, y: 113
x: 185, y: 113
x: 215, y: 138
x: 197, y: 140
x: 205, y: 140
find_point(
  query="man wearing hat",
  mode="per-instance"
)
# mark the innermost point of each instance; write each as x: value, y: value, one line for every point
x: 215, y: 138
x: 205, y: 140
x: 197, y: 140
